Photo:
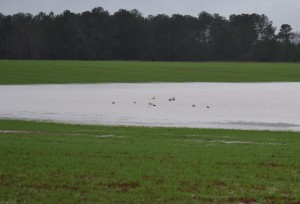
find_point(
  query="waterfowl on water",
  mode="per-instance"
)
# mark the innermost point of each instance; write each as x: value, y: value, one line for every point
x: 172, y: 99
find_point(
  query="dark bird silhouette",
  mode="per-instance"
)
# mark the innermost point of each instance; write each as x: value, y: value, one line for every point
x: 113, y: 102
x: 207, y: 106
x: 194, y: 105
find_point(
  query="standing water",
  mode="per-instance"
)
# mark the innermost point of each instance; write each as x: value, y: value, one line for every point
x: 268, y: 106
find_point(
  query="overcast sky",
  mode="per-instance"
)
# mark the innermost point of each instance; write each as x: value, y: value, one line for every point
x: 279, y: 11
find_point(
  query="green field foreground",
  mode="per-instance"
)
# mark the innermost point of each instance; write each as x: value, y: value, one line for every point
x: 60, y: 163
x: 61, y: 72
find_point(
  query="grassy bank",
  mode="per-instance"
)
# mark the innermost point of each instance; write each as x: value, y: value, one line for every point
x: 59, y: 72
x: 79, y: 163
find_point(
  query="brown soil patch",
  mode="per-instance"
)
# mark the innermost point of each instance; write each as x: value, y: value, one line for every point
x: 122, y: 187
x: 271, y: 165
x: 247, y: 201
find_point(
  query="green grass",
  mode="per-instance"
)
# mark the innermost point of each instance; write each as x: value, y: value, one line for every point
x: 60, y: 163
x: 61, y: 72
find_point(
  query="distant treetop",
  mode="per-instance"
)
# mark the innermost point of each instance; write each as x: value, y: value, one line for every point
x: 128, y: 35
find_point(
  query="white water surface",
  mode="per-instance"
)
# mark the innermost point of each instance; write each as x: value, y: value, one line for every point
x: 259, y: 106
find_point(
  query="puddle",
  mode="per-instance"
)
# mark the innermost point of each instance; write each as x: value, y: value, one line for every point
x: 253, y: 106
x: 13, y: 131
x: 230, y: 142
x: 233, y: 142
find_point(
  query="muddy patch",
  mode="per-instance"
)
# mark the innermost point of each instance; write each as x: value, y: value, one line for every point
x: 109, y: 136
x: 122, y: 186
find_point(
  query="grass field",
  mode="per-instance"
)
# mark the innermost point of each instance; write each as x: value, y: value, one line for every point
x: 61, y: 72
x: 61, y: 163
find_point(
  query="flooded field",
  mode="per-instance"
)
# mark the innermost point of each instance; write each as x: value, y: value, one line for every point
x: 261, y: 106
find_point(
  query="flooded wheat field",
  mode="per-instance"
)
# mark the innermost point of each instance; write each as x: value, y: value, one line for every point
x: 260, y: 106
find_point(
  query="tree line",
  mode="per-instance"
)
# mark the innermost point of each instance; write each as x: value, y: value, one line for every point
x: 128, y: 35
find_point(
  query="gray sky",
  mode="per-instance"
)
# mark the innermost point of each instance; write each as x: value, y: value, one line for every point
x: 279, y: 11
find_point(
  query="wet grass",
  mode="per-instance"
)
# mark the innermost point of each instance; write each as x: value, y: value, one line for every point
x: 61, y: 72
x: 61, y: 163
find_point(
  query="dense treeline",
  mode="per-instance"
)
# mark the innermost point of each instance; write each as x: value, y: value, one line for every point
x: 127, y: 35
